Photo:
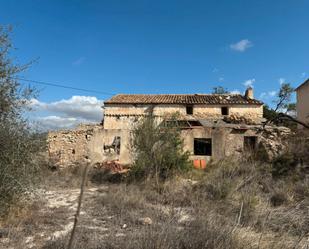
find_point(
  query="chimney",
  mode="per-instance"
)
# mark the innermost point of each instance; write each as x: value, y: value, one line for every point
x: 249, y: 93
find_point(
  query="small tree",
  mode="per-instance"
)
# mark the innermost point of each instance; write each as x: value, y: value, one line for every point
x: 283, y: 108
x: 220, y: 90
x: 18, y: 145
x: 269, y: 113
x: 158, y: 150
x: 284, y: 97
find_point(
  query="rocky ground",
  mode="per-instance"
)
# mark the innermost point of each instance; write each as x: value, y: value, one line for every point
x: 50, y: 218
x: 183, y: 214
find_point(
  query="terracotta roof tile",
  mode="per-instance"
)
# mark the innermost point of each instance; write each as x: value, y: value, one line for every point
x: 211, y: 99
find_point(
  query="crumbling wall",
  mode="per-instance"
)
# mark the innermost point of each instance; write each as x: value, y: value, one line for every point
x: 226, y: 141
x: 230, y: 140
x: 68, y: 147
x: 273, y: 140
x: 103, y: 145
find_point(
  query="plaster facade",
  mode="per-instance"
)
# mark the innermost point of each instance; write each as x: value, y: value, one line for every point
x: 302, y: 105
x: 226, y: 141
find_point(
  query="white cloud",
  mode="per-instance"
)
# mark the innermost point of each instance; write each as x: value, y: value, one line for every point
x: 78, y: 61
x: 67, y: 113
x: 303, y: 75
x: 215, y: 70
x: 281, y: 81
x: 267, y: 95
x: 56, y: 122
x: 85, y: 107
x: 221, y: 79
x: 236, y: 91
x: 242, y: 45
x: 249, y: 82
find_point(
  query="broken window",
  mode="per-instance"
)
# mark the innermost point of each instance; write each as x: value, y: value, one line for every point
x: 115, y: 146
x: 189, y: 109
x: 202, y: 146
x: 224, y: 110
x: 250, y: 143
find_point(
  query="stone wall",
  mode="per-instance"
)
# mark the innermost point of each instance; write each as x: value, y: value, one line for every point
x: 98, y: 144
x: 68, y: 147
x: 124, y: 116
x: 226, y: 141
x: 101, y: 150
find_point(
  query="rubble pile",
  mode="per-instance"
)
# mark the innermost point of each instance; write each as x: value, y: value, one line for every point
x: 111, y: 166
x: 237, y: 119
x: 273, y: 140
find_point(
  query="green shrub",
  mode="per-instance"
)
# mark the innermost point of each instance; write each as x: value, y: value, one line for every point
x: 158, y: 151
x: 283, y: 164
x: 278, y: 198
x: 18, y: 163
x: 18, y: 145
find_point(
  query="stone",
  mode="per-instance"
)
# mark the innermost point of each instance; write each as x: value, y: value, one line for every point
x: 273, y: 141
x: 145, y: 221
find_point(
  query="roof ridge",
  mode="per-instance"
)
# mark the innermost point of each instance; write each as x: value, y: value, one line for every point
x: 178, y: 94
x: 211, y: 99
x: 302, y: 84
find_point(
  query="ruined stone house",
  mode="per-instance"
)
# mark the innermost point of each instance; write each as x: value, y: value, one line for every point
x: 302, y: 104
x: 213, y: 126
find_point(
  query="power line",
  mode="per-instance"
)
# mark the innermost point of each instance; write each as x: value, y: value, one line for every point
x: 61, y: 86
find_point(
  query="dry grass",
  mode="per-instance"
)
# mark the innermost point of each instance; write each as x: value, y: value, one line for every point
x: 230, y: 205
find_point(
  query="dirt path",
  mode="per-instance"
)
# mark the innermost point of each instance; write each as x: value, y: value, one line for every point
x: 52, y: 218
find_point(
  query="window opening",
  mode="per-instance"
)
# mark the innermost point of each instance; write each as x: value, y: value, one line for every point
x: 189, y: 109
x: 202, y: 146
x: 224, y: 110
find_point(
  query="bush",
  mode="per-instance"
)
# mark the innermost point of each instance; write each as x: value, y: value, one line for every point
x: 158, y: 151
x: 278, y: 198
x: 18, y: 162
x: 18, y: 145
x: 283, y: 164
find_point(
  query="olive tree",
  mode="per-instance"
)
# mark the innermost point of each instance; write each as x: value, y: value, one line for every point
x: 18, y: 145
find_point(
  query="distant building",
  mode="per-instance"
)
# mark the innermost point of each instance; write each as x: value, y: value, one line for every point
x: 302, y: 105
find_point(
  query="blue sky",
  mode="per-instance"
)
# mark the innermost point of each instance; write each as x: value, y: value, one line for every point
x: 158, y: 46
